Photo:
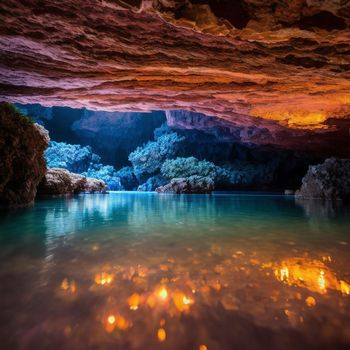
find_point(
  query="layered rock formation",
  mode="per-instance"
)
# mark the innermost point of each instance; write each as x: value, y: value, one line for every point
x: 22, y: 163
x: 280, y: 69
x: 188, y: 185
x: 329, y: 181
x: 62, y: 182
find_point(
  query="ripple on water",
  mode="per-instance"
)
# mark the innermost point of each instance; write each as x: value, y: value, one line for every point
x: 129, y: 271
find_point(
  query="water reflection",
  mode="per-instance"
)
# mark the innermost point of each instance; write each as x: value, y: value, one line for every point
x: 313, y: 275
x: 141, y: 271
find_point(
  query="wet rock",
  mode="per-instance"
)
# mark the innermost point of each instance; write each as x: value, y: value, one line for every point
x: 22, y: 163
x: 330, y: 181
x: 79, y: 182
x: 60, y: 182
x: 192, y: 184
x: 94, y: 185
x: 56, y: 181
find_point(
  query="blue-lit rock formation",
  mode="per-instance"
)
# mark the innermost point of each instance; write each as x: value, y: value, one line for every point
x: 81, y: 159
x: 99, y: 143
x: 112, y: 135
x: 189, y: 185
x: 152, y: 183
x: 148, y: 159
x: 329, y: 180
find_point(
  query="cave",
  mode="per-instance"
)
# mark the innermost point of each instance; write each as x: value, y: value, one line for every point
x: 174, y: 174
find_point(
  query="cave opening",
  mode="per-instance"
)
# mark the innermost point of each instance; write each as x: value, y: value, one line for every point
x: 174, y: 174
x: 141, y: 151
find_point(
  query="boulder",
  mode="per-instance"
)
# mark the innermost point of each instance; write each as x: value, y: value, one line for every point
x: 329, y: 180
x: 22, y: 162
x: 94, y: 185
x: 61, y: 182
x: 190, y: 185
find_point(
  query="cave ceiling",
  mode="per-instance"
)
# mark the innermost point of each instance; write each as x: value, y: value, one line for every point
x: 279, y: 70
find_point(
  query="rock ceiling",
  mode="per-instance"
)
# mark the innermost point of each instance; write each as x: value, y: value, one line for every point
x: 281, y: 66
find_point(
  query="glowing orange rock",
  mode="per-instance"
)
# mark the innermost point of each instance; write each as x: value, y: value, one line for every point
x: 161, y: 334
x: 310, y: 301
x: 69, y: 286
x: 111, y: 319
x: 181, y: 301
x: 116, y: 321
x: 134, y: 301
x: 162, y: 293
x: 344, y: 287
x: 103, y: 279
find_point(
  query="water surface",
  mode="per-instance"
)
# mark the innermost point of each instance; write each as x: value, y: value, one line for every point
x: 148, y: 271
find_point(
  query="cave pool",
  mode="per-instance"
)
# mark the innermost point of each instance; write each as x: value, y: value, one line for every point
x: 131, y: 270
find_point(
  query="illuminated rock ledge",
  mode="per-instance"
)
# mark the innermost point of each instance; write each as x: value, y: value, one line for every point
x: 281, y: 67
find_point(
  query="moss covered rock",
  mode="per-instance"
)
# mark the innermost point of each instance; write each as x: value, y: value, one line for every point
x: 22, y: 162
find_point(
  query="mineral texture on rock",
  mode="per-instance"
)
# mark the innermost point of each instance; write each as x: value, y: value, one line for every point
x: 22, y: 163
x: 94, y: 186
x: 190, y: 185
x: 329, y: 180
x: 278, y: 69
x: 62, y: 182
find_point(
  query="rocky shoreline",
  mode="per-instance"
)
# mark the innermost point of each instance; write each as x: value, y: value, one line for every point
x: 24, y: 174
x: 23, y: 170
x: 62, y: 182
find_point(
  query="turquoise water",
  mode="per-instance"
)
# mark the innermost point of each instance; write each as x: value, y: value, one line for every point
x: 148, y: 271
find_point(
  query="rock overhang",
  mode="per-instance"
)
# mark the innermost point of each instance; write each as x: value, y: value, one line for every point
x: 281, y: 67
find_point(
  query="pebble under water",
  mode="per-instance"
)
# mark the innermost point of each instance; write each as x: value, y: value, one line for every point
x: 197, y: 272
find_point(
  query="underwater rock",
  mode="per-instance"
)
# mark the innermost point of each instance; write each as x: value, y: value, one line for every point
x: 60, y: 182
x: 193, y: 184
x: 329, y: 180
x: 22, y: 162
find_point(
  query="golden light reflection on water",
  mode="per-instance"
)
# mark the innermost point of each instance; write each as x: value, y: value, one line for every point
x: 179, y: 275
x: 69, y: 286
x: 103, y: 279
x: 177, y: 293
x: 313, y: 275
x: 161, y: 334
